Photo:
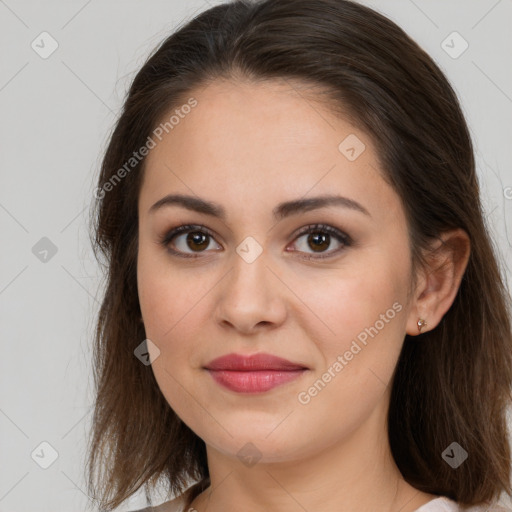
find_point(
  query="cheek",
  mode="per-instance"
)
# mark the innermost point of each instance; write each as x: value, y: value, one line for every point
x: 176, y: 312
x: 347, y: 302
x: 367, y: 312
x: 170, y: 304
x: 165, y: 294
x: 358, y: 328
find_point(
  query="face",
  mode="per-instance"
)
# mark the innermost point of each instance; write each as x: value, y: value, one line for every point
x: 324, y: 287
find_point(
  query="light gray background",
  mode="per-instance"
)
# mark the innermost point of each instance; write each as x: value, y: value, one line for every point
x: 56, y: 114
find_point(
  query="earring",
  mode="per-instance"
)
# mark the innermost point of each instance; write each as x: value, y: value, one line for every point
x: 421, y: 324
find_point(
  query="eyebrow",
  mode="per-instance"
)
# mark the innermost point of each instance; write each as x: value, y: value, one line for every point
x: 281, y: 211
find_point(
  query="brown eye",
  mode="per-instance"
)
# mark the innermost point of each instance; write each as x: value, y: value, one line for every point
x: 197, y: 240
x: 187, y: 240
x: 319, y: 241
x: 319, y: 238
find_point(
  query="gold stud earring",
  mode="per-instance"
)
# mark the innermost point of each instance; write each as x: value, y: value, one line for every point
x: 421, y: 324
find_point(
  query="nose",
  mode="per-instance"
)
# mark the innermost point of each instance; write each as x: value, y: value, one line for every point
x: 251, y: 297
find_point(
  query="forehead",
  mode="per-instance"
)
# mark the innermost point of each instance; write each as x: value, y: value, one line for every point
x: 244, y: 137
x: 279, y: 118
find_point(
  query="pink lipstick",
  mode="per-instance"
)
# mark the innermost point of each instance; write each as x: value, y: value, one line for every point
x: 253, y: 374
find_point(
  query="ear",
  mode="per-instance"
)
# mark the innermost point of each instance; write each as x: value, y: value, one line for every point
x: 439, y: 281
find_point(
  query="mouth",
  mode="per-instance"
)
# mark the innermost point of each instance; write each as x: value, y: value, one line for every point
x: 253, y: 374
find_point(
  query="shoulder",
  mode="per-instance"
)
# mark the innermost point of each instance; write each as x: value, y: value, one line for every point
x: 178, y: 504
x: 492, y: 507
x: 444, y: 504
x: 441, y: 504
x: 488, y: 508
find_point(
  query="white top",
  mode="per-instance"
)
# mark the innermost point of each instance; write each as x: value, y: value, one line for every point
x: 441, y: 504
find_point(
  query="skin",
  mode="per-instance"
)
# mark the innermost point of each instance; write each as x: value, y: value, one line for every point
x: 249, y: 147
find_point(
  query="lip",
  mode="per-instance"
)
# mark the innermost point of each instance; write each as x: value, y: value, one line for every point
x: 255, y: 362
x: 255, y: 373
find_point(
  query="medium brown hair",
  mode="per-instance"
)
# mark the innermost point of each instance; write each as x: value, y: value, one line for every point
x: 450, y: 384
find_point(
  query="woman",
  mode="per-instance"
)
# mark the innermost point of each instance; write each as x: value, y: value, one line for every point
x: 303, y: 308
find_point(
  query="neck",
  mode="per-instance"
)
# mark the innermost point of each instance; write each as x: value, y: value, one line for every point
x: 357, y: 473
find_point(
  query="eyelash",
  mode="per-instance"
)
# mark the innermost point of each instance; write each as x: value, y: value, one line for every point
x: 341, y: 237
